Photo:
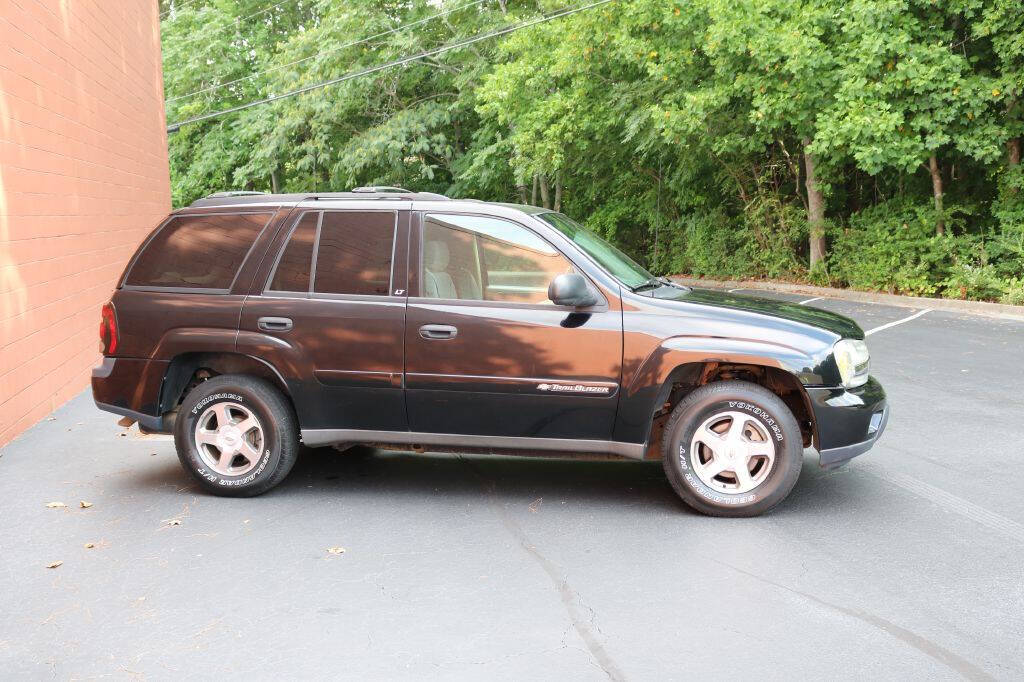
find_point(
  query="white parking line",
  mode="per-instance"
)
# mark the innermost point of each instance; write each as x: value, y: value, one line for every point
x: 733, y: 290
x: 893, y: 324
x: 811, y: 300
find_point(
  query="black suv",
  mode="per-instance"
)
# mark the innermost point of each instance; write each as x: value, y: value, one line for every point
x: 248, y: 323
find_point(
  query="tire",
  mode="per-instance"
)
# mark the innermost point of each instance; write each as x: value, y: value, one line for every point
x: 736, y: 418
x: 260, y: 428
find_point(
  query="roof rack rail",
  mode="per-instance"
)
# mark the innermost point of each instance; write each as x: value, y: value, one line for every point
x: 234, y: 193
x: 363, y: 194
x: 374, y: 189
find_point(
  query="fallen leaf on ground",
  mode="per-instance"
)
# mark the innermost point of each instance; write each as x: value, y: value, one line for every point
x: 90, y: 545
x: 84, y: 505
x: 336, y: 550
x: 172, y: 522
x: 55, y: 505
x: 55, y: 564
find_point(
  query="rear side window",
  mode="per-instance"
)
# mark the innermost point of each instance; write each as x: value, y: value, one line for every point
x: 197, y: 251
x: 354, y: 253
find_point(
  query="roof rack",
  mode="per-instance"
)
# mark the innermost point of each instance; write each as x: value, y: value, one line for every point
x: 234, y: 193
x: 374, y: 189
x: 357, y: 194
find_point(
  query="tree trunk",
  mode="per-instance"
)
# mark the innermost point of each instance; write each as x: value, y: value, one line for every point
x: 558, y: 192
x: 933, y: 168
x: 1013, y: 155
x: 275, y: 185
x: 545, y: 191
x: 815, y: 208
x: 536, y: 184
x: 521, y: 188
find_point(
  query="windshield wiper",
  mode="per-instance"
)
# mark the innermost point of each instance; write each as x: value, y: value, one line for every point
x: 675, y: 285
x: 655, y: 282
x: 652, y: 283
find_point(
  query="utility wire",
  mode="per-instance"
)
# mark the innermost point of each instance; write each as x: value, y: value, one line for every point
x: 380, y: 67
x: 257, y: 74
x: 178, y: 6
x: 235, y: 22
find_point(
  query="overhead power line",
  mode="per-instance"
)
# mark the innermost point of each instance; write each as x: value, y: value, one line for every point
x: 380, y: 67
x: 178, y: 6
x: 257, y: 74
x: 235, y: 22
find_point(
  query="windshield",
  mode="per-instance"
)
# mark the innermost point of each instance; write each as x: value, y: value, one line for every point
x: 621, y: 266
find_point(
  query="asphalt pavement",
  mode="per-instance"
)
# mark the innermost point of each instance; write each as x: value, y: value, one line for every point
x: 907, y: 563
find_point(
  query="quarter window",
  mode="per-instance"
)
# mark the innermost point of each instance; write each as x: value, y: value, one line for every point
x: 354, y: 253
x: 486, y: 259
x: 197, y: 251
x: 292, y: 273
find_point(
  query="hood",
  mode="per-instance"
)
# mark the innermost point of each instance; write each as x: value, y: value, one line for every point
x: 823, y: 319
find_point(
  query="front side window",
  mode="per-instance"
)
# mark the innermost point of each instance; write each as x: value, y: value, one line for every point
x: 479, y: 258
x: 197, y: 251
x: 618, y: 264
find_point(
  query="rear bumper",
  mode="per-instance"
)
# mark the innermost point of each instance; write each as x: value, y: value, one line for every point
x: 849, y: 421
x: 130, y: 387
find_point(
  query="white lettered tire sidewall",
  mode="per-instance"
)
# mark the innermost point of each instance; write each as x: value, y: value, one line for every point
x: 280, y: 437
x: 764, y: 407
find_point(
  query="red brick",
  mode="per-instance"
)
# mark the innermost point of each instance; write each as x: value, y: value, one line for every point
x: 83, y: 179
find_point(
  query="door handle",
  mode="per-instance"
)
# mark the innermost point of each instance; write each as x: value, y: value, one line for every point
x: 438, y: 332
x: 274, y: 324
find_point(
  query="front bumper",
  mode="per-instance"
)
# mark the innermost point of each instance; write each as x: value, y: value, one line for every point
x: 849, y: 421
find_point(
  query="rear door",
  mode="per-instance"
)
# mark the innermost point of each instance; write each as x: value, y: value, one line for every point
x: 487, y: 353
x: 329, y: 315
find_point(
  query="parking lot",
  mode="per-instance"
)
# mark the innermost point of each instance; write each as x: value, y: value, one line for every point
x: 906, y: 563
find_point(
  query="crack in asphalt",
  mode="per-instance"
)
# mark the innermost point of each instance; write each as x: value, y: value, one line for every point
x: 959, y: 505
x: 571, y: 600
x: 927, y: 647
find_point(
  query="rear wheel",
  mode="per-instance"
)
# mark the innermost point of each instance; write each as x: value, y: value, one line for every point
x: 732, y: 448
x: 237, y: 435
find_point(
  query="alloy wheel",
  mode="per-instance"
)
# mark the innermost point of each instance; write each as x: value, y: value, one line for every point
x: 731, y: 452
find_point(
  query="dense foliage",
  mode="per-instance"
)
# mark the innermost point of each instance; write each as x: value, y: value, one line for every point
x: 869, y: 143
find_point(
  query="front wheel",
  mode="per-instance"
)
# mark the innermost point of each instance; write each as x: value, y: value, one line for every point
x: 732, y: 448
x: 236, y: 435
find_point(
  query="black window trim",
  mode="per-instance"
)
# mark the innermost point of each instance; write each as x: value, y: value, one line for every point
x: 602, y: 304
x: 122, y: 284
x: 311, y: 294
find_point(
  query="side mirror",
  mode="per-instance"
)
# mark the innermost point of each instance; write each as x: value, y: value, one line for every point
x: 571, y: 290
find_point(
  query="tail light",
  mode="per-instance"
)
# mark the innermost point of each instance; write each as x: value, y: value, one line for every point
x: 108, y: 330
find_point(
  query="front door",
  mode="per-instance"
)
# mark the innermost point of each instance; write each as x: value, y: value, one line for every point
x: 487, y: 353
x: 330, y: 317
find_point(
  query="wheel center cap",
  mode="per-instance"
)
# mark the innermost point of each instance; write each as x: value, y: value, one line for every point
x: 229, y: 437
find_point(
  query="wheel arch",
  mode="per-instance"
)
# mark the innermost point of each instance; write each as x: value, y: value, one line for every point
x: 187, y: 369
x: 684, y: 377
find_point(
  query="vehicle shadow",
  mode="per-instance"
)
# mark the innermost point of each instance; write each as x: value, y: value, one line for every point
x: 422, y: 479
x: 625, y: 483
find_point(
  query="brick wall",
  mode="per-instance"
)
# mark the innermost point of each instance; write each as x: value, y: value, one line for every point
x: 83, y: 178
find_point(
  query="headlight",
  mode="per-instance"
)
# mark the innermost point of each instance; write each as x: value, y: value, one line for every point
x: 853, y: 360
